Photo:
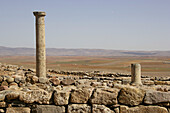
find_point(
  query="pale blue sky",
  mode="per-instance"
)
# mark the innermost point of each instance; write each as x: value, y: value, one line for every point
x: 100, y: 24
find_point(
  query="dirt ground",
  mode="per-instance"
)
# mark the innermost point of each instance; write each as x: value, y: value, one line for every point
x: 152, y: 66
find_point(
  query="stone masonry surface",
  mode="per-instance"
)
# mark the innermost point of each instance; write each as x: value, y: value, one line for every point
x: 80, y: 92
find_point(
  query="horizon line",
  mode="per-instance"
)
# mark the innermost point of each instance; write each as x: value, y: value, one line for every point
x: 86, y: 48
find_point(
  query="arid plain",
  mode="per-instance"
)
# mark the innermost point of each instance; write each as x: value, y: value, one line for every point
x: 151, y: 66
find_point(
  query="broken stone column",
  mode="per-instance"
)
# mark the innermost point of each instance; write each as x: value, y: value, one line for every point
x: 40, y: 46
x: 136, y: 74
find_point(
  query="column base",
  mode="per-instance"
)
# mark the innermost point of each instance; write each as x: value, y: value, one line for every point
x: 136, y: 84
x: 43, y: 80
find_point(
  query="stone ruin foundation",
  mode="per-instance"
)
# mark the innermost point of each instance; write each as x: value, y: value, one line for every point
x: 25, y: 90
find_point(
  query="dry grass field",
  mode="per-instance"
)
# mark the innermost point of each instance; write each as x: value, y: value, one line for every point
x: 152, y: 66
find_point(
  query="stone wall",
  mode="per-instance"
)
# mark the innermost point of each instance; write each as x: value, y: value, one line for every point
x: 80, y: 92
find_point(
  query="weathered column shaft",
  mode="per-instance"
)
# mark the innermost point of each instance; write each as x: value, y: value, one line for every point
x: 40, y: 45
x: 136, y: 74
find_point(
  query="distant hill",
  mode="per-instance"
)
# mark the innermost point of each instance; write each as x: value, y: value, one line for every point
x: 7, y: 51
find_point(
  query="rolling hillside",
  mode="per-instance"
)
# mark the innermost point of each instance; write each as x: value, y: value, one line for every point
x: 7, y: 51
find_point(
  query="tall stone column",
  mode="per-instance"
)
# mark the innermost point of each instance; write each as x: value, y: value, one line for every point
x: 40, y: 46
x: 136, y: 74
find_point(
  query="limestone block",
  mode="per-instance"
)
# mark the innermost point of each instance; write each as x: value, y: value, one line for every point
x: 19, y: 79
x: 154, y: 97
x: 3, y: 88
x: 10, y: 79
x: 48, y: 109
x: 18, y: 110
x: 67, y: 82
x: 101, y: 109
x: 2, y: 111
x: 79, y: 108
x: 82, y: 82
x: 2, y: 104
x: 81, y: 95
x: 61, y: 97
x: 13, y: 84
x: 104, y: 96
x: 34, y: 79
x: 13, y: 95
x: 4, y: 83
x: 131, y: 96
x: 45, y: 87
x: 69, y: 88
x: 143, y: 109
x: 3, y: 94
x: 162, y: 82
x: 55, y: 81
x: 96, y: 84
x: 148, y: 82
x: 40, y: 96
x: 1, y: 78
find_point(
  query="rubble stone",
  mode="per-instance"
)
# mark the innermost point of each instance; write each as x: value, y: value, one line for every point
x: 2, y: 111
x: 55, y: 81
x: 67, y: 82
x: 3, y: 88
x: 2, y: 104
x: 13, y: 95
x: 4, y: 83
x: 101, y: 109
x: 79, y: 108
x: 10, y: 80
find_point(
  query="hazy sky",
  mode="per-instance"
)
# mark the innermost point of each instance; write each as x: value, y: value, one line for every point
x: 100, y: 24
